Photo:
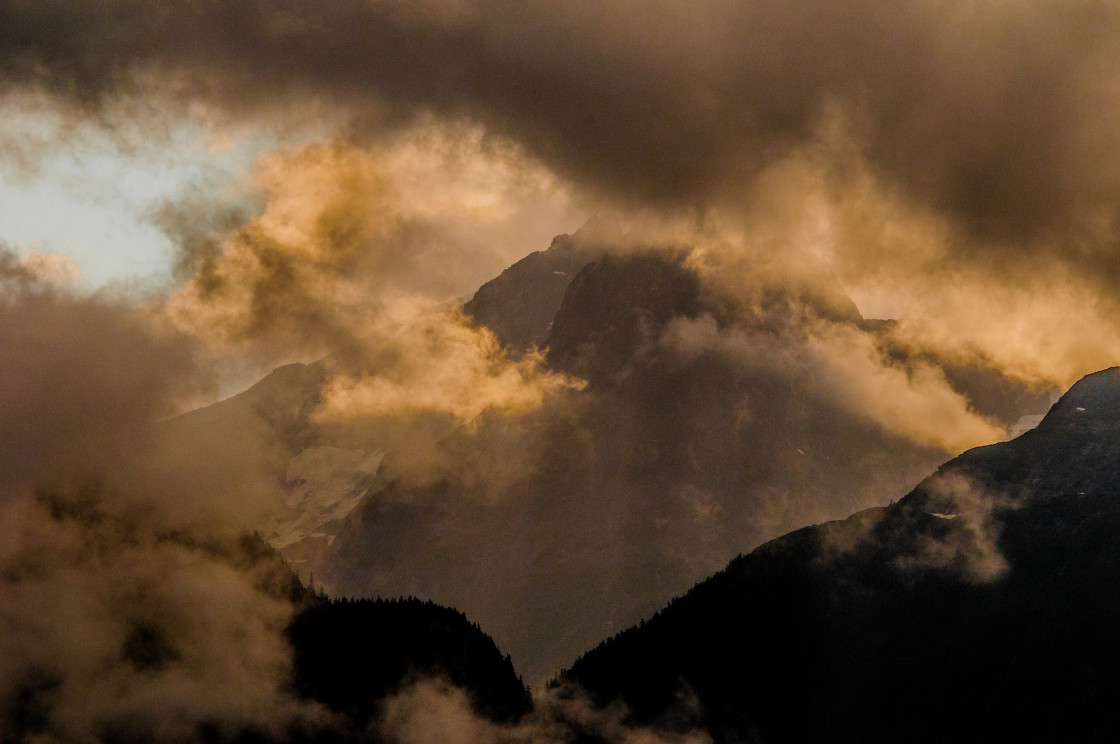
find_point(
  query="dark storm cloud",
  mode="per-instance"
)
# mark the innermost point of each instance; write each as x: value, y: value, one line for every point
x: 996, y: 113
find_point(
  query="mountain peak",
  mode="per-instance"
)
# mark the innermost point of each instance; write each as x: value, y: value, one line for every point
x: 519, y: 304
x: 1093, y: 403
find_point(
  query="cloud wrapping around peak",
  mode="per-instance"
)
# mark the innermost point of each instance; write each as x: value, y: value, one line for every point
x: 351, y: 235
x: 439, y: 363
x: 843, y: 363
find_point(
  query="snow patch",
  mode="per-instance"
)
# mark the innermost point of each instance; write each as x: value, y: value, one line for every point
x: 324, y: 484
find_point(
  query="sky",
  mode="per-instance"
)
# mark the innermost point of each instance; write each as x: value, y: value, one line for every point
x: 193, y: 194
x: 936, y: 155
x: 92, y: 200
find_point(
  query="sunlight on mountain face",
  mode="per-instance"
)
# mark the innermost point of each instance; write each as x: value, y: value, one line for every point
x: 544, y: 315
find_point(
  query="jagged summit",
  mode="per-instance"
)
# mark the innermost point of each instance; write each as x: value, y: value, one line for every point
x: 519, y: 304
x: 615, y: 306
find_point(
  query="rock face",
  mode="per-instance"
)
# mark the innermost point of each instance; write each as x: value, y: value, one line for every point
x: 519, y: 304
x: 980, y: 607
x: 616, y: 306
x: 322, y: 486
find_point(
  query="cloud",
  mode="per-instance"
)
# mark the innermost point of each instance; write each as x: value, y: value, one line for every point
x: 360, y: 255
x: 940, y: 158
x: 843, y: 363
x: 81, y: 376
x: 111, y: 629
x: 128, y: 608
x: 950, y: 524
x: 445, y: 398
x: 439, y: 363
x: 431, y: 712
x: 964, y: 538
x: 916, y: 404
x: 197, y: 220
x: 1036, y: 316
x: 350, y: 235
x: 53, y: 268
x: 991, y: 114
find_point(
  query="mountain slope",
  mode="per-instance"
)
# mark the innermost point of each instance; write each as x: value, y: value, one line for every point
x: 697, y: 436
x: 708, y: 425
x: 980, y: 607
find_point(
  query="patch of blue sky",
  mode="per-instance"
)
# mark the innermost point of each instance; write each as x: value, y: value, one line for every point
x: 87, y: 193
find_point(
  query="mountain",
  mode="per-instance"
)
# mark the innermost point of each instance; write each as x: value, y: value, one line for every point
x: 519, y: 304
x: 281, y: 402
x: 616, y: 306
x: 698, y: 436
x: 707, y: 425
x: 979, y: 607
x: 322, y: 473
x: 314, y: 474
x: 266, y: 435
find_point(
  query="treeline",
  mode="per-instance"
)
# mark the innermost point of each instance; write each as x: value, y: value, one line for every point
x: 352, y: 653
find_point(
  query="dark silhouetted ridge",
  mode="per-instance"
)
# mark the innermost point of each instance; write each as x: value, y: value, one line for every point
x: 981, y: 607
x: 351, y: 654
